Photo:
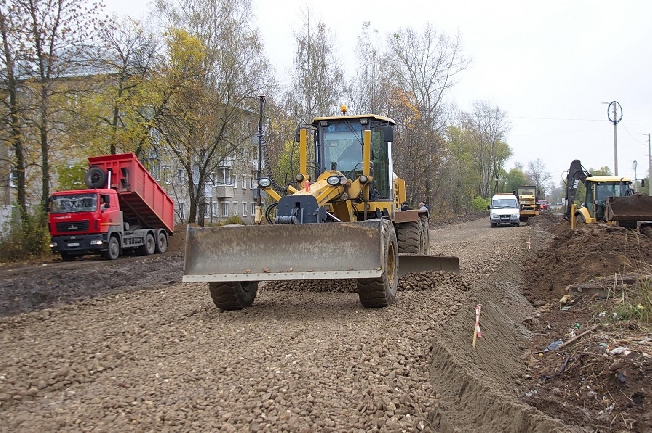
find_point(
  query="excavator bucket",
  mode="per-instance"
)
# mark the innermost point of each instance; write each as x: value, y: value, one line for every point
x: 295, y: 252
x: 629, y: 208
x: 284, y: 252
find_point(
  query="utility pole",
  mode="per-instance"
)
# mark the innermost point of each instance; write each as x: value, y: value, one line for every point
x: 614, y: 116
x: 649, y: 163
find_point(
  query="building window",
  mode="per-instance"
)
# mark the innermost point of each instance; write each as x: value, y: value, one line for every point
x: 207, y: 210
x: 182, y: 212
x: 244, y: 209
x: 180, y: 176
x: 166, y: 174
x: 253, y: 182
x: 214, y: 210
x: 13, y: 179
x: 235, y: 208
x: 223, y: 176
x: 225, y: 209
x: 253, y: 208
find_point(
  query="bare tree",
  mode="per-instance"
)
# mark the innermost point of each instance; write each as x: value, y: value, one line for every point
x: 58, y: 34
x: 12, y: 119
x: 488, y: 127
x: 128, y: 55
x: 208, y: 88
x: 422, y: 68
x: 538, y: 176
x: 317, y: 78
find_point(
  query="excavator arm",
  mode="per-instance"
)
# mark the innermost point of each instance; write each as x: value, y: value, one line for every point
x: 576, y: 174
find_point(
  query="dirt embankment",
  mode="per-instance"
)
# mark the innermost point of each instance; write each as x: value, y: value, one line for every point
x: 142, y: 351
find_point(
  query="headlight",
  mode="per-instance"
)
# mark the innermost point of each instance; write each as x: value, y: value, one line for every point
x: 299, y: 177
x: 333, y: 180
x: 96, y: 242
x: 264, y: 182
x: 363, y: 179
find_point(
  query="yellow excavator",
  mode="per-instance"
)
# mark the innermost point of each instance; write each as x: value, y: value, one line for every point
x: 609, y: 199
x: 341, y: 220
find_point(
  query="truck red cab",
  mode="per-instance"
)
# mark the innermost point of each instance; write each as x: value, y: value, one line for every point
x: 123, y: 208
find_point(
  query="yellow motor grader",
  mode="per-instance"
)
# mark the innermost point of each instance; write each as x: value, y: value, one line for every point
x: 342, y: 220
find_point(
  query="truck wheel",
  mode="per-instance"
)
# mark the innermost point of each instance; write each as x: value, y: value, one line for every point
x: 150, y: 245
x: 113, y: 251
x: 66, y: 257
x: 233, y: 295
x: 410, y: 237
x: 381, y: 291
x: 95, y: 177
x: 162, y: 242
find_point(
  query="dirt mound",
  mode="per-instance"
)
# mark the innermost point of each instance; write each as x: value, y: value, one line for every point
x: 587, y: 284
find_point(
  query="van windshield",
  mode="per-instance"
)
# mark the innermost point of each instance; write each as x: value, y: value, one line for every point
x: 501, y: 203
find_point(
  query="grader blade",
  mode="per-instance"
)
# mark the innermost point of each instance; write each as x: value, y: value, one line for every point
x: 629, y: 208
x: 411, y: 263
x: 284, y: 252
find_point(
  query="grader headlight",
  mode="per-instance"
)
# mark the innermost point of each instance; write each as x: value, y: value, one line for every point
x: 264, y: 182
x: 333, y: 180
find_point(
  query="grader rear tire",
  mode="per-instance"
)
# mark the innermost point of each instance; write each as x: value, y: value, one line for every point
x: 233, y: 295
x: 381, y: 292
x: 409, y: 236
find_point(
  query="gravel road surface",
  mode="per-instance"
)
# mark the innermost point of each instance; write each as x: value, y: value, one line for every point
x: 150, y: 353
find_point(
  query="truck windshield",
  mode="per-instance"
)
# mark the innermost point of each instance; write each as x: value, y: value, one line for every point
x: 504, y: 203
x: 73, y: 203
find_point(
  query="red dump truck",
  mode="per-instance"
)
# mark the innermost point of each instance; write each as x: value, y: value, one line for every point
x: 123, y: 208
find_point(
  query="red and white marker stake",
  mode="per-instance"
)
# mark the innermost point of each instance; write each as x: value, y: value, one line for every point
x: 476, y: 331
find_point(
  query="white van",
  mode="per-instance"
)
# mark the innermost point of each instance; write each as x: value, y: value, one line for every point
x: 504, y: 210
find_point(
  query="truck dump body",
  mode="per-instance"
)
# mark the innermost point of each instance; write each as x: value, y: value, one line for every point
x: 140, y: 196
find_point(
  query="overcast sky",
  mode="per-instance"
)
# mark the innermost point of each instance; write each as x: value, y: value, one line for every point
x: 550, y: 65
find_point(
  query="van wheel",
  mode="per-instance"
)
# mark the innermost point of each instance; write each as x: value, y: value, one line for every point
x: 113, y: 251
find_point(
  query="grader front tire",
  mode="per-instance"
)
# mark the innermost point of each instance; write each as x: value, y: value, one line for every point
x: 381, y: 292
x: 233, y: 295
